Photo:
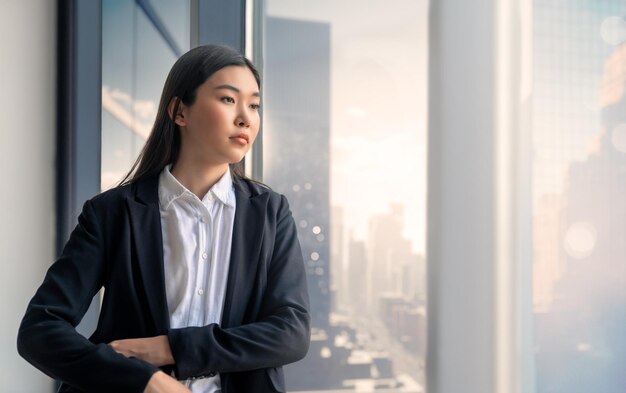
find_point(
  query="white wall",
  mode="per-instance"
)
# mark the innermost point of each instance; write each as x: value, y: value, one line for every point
x: 27, y: 162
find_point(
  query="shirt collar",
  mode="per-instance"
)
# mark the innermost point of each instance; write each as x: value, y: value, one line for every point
x: 170, y: 189
x: 223, y: 189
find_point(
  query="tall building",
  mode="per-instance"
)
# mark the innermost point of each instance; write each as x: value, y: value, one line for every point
x: 339, y: 256
x: 296, y: 140
x: 388, y: 254
x: 358, y: 285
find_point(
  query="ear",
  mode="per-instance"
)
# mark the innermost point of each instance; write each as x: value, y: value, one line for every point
x: 179, y: 117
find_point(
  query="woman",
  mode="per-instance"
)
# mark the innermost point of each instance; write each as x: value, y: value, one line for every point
x: 203, y: 273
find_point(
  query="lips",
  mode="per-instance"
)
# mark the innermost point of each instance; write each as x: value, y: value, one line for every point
x: 241, y: 137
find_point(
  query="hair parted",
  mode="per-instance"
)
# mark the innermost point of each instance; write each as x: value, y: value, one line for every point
x: 190, y: 71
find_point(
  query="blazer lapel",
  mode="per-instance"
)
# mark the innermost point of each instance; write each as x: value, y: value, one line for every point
x: 146, y: 228
x: 245, y: 251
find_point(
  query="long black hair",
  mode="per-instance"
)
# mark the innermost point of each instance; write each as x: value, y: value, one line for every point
x: 190, y: 71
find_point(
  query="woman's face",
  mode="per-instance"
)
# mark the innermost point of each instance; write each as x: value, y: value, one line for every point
x: 221, y: 125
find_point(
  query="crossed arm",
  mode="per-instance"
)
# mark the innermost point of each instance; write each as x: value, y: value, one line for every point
x: 156, y: 351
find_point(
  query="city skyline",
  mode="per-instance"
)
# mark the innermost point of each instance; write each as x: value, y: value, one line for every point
x: 378, y: 100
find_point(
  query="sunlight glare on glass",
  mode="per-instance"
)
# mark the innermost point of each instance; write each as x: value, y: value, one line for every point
x: 580, y: 240
x: 618, y: 137
x: 613, y: 30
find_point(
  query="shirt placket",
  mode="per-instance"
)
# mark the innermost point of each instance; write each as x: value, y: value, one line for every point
x: 197, y: 310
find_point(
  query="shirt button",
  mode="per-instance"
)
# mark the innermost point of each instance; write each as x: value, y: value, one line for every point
x: 204, y: 255
x: 204, y: 219
x: 200, y: 292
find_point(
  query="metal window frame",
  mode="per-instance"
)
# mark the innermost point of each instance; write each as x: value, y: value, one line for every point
x: 79, y: 106
x: 78, y: 128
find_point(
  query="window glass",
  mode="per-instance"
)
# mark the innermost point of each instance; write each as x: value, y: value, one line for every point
x: 174, y: 14
x: 344, y: 140
x: 579, y: 195
x: 135, y: 61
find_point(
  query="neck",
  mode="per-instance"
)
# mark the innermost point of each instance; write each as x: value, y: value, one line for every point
x: 197, y: 178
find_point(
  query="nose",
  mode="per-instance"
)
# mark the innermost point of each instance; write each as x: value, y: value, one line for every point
x: 242, y: 120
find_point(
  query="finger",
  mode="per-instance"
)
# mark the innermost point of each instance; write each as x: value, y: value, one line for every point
x: 117, y: 347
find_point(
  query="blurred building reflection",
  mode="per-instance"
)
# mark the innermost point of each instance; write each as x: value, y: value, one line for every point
x: 580, y: 251
x: 141, y: 40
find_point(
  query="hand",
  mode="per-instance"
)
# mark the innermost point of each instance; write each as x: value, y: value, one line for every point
x: 163, y: 383
x: 154, y: 350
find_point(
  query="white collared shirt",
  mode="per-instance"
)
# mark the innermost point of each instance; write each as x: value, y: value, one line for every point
x: 197, y: 237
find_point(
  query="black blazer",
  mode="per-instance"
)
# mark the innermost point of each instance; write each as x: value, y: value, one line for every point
x: 118, y: 245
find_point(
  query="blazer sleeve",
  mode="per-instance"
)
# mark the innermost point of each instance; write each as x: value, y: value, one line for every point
x: 47, y: 336
x: 279, y: 337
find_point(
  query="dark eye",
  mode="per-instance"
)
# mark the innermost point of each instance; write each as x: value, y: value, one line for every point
x: 230, y: 100
x: 255, y: 106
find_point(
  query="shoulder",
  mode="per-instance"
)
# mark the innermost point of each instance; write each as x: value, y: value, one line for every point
x: 276, y: 201
x: 254, y: 188
x: 144, y: 190
x: 112, y: 196
x: 111, y: 202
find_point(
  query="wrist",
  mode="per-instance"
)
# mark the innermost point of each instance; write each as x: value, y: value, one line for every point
x: 166, y: 356
x: 163, y: 383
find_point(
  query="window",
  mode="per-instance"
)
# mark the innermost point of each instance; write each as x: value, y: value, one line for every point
x: 344, y: 140
x: 141, y: 40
